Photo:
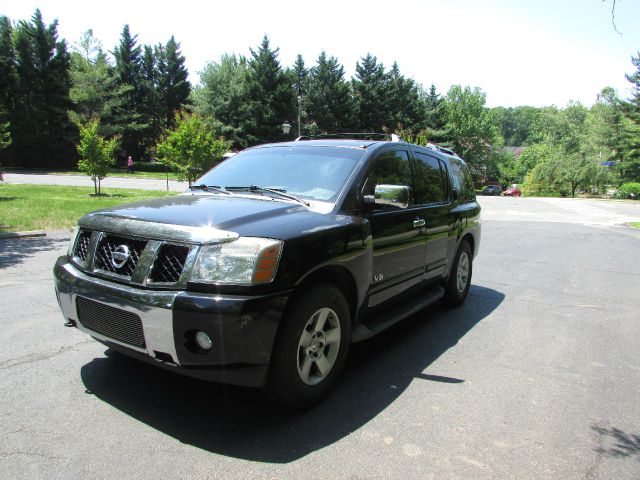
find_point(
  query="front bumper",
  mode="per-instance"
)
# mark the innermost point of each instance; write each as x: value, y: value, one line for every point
x: 243, y: 329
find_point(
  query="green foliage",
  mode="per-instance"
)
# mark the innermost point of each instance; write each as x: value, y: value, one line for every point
x: 221, y: 97
x: 371, y: 94
x: 328, y: 102
x: 173, y: 86
x: 97, y: 155
x: 517, y: 125
x: 39, y: 100
x: 568, y: 172
x: 5, y: 135
x: 435, y: 117
x: 191, y: 148
x: 628, y: 190
x: 94, y: 91
x: 504, y: 167
x: 270, y: 98
x: 473, y: 129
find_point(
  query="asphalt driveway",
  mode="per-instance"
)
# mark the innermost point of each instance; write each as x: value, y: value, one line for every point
x: 536, y: 376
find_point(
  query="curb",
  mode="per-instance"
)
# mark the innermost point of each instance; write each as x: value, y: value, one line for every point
x: 33, y: 233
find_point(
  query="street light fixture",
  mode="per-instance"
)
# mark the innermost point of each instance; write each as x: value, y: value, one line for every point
x: 286, y: 128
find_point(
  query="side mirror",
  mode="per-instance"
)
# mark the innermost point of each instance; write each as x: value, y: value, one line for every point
x: 392, y: 195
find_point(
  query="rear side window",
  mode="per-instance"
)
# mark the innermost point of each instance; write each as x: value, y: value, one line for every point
x: 462, y: 181
x: 432, y: 184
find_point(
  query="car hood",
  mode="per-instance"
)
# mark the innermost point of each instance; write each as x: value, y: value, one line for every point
x: 205, y: 218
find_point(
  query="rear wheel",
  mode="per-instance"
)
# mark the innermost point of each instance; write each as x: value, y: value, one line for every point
x: 459, y: 280
x: 311, y: 347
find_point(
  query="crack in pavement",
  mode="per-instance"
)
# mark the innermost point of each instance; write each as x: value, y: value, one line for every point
x: 38, y: 357
x: 29, y: 454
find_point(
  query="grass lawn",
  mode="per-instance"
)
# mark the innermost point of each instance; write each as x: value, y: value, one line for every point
x: 50, y: 207
x: 635, y: 224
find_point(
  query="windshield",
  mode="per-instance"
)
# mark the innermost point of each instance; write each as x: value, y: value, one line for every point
x: 317, y: 173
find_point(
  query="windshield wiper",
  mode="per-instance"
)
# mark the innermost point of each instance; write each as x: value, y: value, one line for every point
x: 209, y: 188
x: 281, y: 192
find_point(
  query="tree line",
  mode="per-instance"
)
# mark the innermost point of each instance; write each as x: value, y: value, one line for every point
x: 49, y: 91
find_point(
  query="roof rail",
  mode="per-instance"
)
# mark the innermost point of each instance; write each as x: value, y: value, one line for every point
x: 355, y: 136
x: 438, y: 148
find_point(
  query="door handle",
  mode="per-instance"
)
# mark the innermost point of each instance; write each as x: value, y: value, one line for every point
x: 419, y: 222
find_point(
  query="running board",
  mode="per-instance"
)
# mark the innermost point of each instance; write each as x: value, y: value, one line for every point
x: 377, y: 324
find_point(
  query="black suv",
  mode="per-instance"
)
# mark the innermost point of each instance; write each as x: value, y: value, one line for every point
x: 264, y: 271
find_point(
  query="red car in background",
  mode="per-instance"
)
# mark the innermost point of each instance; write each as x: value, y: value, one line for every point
x: 513, y: 191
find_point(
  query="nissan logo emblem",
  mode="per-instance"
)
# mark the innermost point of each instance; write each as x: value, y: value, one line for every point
x: 120, y: 256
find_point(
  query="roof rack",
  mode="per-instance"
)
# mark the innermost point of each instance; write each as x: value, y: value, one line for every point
x: 355, y: 136
x: 438, y: 148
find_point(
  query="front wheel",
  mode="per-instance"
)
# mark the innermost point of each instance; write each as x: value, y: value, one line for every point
x: 311, y: 347
x: 459, y: 280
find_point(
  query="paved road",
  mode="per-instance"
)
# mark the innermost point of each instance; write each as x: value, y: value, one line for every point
x: 85, y: 181
x: 536, y: 376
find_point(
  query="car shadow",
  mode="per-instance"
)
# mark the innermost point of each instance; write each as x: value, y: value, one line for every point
x: 14, y: 251
x: 240, y: 423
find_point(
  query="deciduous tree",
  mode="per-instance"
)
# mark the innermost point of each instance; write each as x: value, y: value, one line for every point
x: 97, y: 155
x: 190, y: 148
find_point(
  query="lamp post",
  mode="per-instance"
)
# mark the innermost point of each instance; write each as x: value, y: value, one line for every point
x: 286, y: 128
x: 299, y: 112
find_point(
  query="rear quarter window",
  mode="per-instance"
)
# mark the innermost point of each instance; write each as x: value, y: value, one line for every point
x: 462, y: 181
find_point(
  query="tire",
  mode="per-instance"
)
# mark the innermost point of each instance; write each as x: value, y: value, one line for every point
x: 459, y: 281
x: 311, y: 348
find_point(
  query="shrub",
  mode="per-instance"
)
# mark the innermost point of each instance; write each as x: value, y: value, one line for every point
x: 628, y: 190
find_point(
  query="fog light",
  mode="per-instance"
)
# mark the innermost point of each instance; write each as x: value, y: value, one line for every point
x: 203, y: 341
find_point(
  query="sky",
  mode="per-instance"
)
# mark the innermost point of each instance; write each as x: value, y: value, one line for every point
x: 519, y: 52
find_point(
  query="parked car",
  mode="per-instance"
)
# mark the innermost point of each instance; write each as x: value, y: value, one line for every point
x: 491, y: 190
x: 512, y: 191
x: 273, y: 262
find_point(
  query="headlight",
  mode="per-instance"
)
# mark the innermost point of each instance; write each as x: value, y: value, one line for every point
x: 246, y: 261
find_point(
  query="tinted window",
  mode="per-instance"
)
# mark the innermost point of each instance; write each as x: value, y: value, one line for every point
x: 318, y: 173
x: 462, y: 181
x: 431, y: 178
x: 389, y: 179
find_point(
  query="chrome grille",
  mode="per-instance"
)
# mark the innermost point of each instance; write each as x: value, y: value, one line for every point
x: 169, y: 263
x: 109, y: 244
x: 81, y: 249
x: 114, y: 323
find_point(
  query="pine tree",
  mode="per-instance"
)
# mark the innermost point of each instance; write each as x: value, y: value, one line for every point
x: 151, y: 111
x: 435, y: 117
x: 128, y: 58
x: 631, y: 168
x: 269, y: 95
x: 405, y: 106
x: 371, y: 94
x: 43, y: 134
x: 329, y: 100
x: 173, y: 83
x: 8, y: 73
x: 300, y: 75
x: 8, y: 84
